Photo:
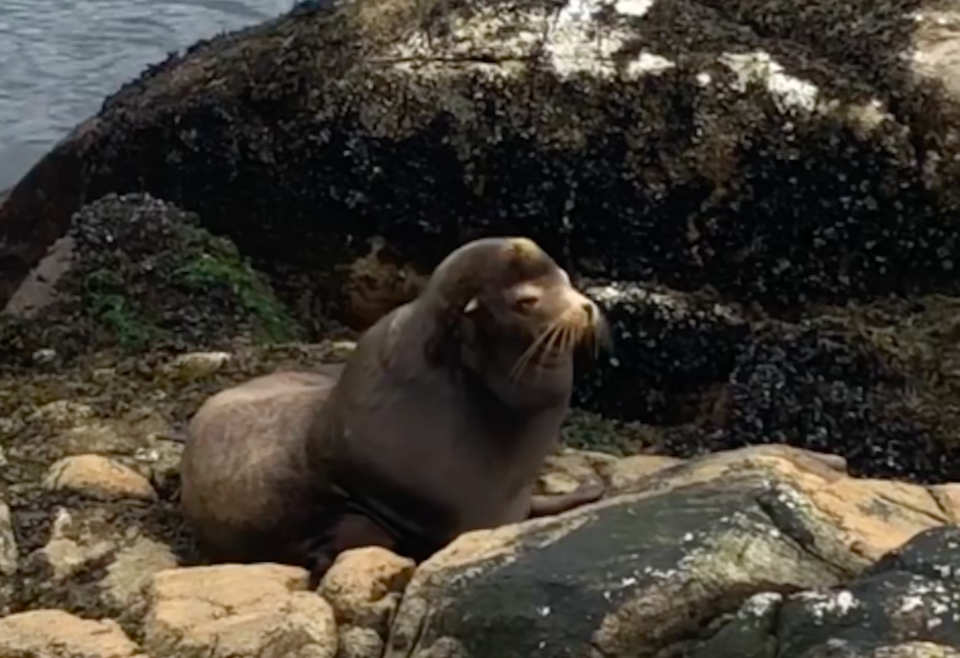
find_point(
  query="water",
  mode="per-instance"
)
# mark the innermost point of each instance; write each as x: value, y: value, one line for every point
x: 60, y: 58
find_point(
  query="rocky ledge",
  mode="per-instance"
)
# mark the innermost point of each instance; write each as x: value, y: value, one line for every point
x: 765, y: 551
x: 701, y: 549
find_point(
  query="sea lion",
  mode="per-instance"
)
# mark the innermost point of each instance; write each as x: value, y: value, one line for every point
x: 438, y: 424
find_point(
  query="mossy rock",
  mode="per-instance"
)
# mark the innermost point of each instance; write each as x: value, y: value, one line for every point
x: 143, y: 272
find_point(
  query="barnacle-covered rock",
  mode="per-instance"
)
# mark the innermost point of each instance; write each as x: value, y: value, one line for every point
x: 778, y: 152
x: 134, y: 271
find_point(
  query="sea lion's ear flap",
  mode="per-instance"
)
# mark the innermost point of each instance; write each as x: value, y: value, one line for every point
x: 471, y: 306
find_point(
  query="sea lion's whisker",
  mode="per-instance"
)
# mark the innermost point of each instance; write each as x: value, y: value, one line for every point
x: 518, y: 366
x: 523, y: 359
x: 557, y: 336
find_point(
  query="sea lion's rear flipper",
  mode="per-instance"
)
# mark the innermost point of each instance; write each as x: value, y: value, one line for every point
x: 559, y: 503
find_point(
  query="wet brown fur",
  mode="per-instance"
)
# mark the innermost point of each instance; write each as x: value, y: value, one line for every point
x: 438, y: 424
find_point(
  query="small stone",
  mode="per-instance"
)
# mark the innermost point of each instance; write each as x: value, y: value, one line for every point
x: 197, y: 365
x: 54, y: 633
x: 364, y: 586
x: 44, y: 356
x: 98, y: 477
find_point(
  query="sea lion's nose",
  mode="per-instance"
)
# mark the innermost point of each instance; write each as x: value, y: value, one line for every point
x: 589, y: 311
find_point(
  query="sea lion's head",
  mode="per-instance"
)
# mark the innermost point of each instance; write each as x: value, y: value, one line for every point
x: 516, y: 313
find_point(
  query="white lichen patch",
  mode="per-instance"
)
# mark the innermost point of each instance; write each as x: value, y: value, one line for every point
x: 498, y: 42
x: 759, y: 67
x: 931, y: 601
x: 488, y: 31
x: 760, y: 604
x: 648, y: 64
x: 576, y: 44
x: 836, y: 604
x: 636, y: 8
x: 792, y: 93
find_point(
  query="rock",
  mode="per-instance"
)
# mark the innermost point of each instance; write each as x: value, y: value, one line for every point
x: 75, y: 544
x: 911, y: 596
x: 565, y: 472
x: 784, y: 153
x: 8, y: 542
x: 359, y: 642
x: 237, y: 611
x: 132, y: 568
x: 9, y: 555
x: 95, y: 560
x: 710, y: 377
x: 98, y: 477
x: 364, y: 585
x: 197, y: 365
x: 629, y: 471
x: 646, y: 573
x: 144, y: 272
x: 55, y: 634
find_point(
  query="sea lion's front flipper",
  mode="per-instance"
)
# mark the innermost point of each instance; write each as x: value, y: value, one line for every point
x: 549, y: 505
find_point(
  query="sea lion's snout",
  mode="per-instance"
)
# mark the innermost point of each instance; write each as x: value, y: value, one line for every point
x: 578, y: 312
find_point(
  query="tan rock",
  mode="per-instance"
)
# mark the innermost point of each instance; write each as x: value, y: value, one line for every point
x: 948, y: 497
x: 359, y: 642
x: 627, y: 472
x: 364, y: 586
x: 71, y: 548
x: 197, y: 365
x: 877, y: 515
x: 98, y: 477
x: 564, y: 472
x: 132, y: 568
x: 237, y: 611
x: 58, y: 634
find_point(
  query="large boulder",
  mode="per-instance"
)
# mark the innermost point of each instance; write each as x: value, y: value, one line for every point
x: 761, y: 552
x: 874, y: 383
x: 778, y: 151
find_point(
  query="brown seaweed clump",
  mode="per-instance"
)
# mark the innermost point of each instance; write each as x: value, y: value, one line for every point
x: 143, y: 272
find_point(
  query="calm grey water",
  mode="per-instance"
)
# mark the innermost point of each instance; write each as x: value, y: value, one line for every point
x: 60, y: 58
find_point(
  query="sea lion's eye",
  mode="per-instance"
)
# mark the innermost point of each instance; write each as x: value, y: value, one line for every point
x: 525, y: 302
